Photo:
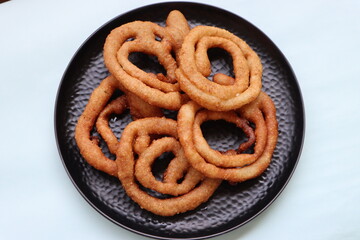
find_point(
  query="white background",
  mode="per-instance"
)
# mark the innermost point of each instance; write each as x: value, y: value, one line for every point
x: 321, y: 40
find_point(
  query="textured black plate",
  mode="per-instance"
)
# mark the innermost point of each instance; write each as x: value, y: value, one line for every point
x: 230, y: 206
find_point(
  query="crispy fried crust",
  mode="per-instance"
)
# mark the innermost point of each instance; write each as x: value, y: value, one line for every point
x: 188, y: 194
x: 98, y: 111
x: 194, y: 67
x: 262, y: 109
x: 142, y: 36
x: 196, y: 170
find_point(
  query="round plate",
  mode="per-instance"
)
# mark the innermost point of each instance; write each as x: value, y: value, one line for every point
x: 231, y: 206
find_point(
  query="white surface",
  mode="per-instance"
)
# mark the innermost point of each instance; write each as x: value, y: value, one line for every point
x: 319, y: 38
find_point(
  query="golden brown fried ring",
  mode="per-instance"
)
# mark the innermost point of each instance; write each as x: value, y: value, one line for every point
x: 88, y: 147
x: 233, y: 158
x: 194, y: 67
x: 262, y: 107
x: 241, y: 69
x: 144, y: 38
x: 159, y: 50
x: 126, y: 171
x: 177, y: 168
x: 97, y: 112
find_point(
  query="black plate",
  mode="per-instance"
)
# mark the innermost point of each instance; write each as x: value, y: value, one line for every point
x: 231, y: 206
